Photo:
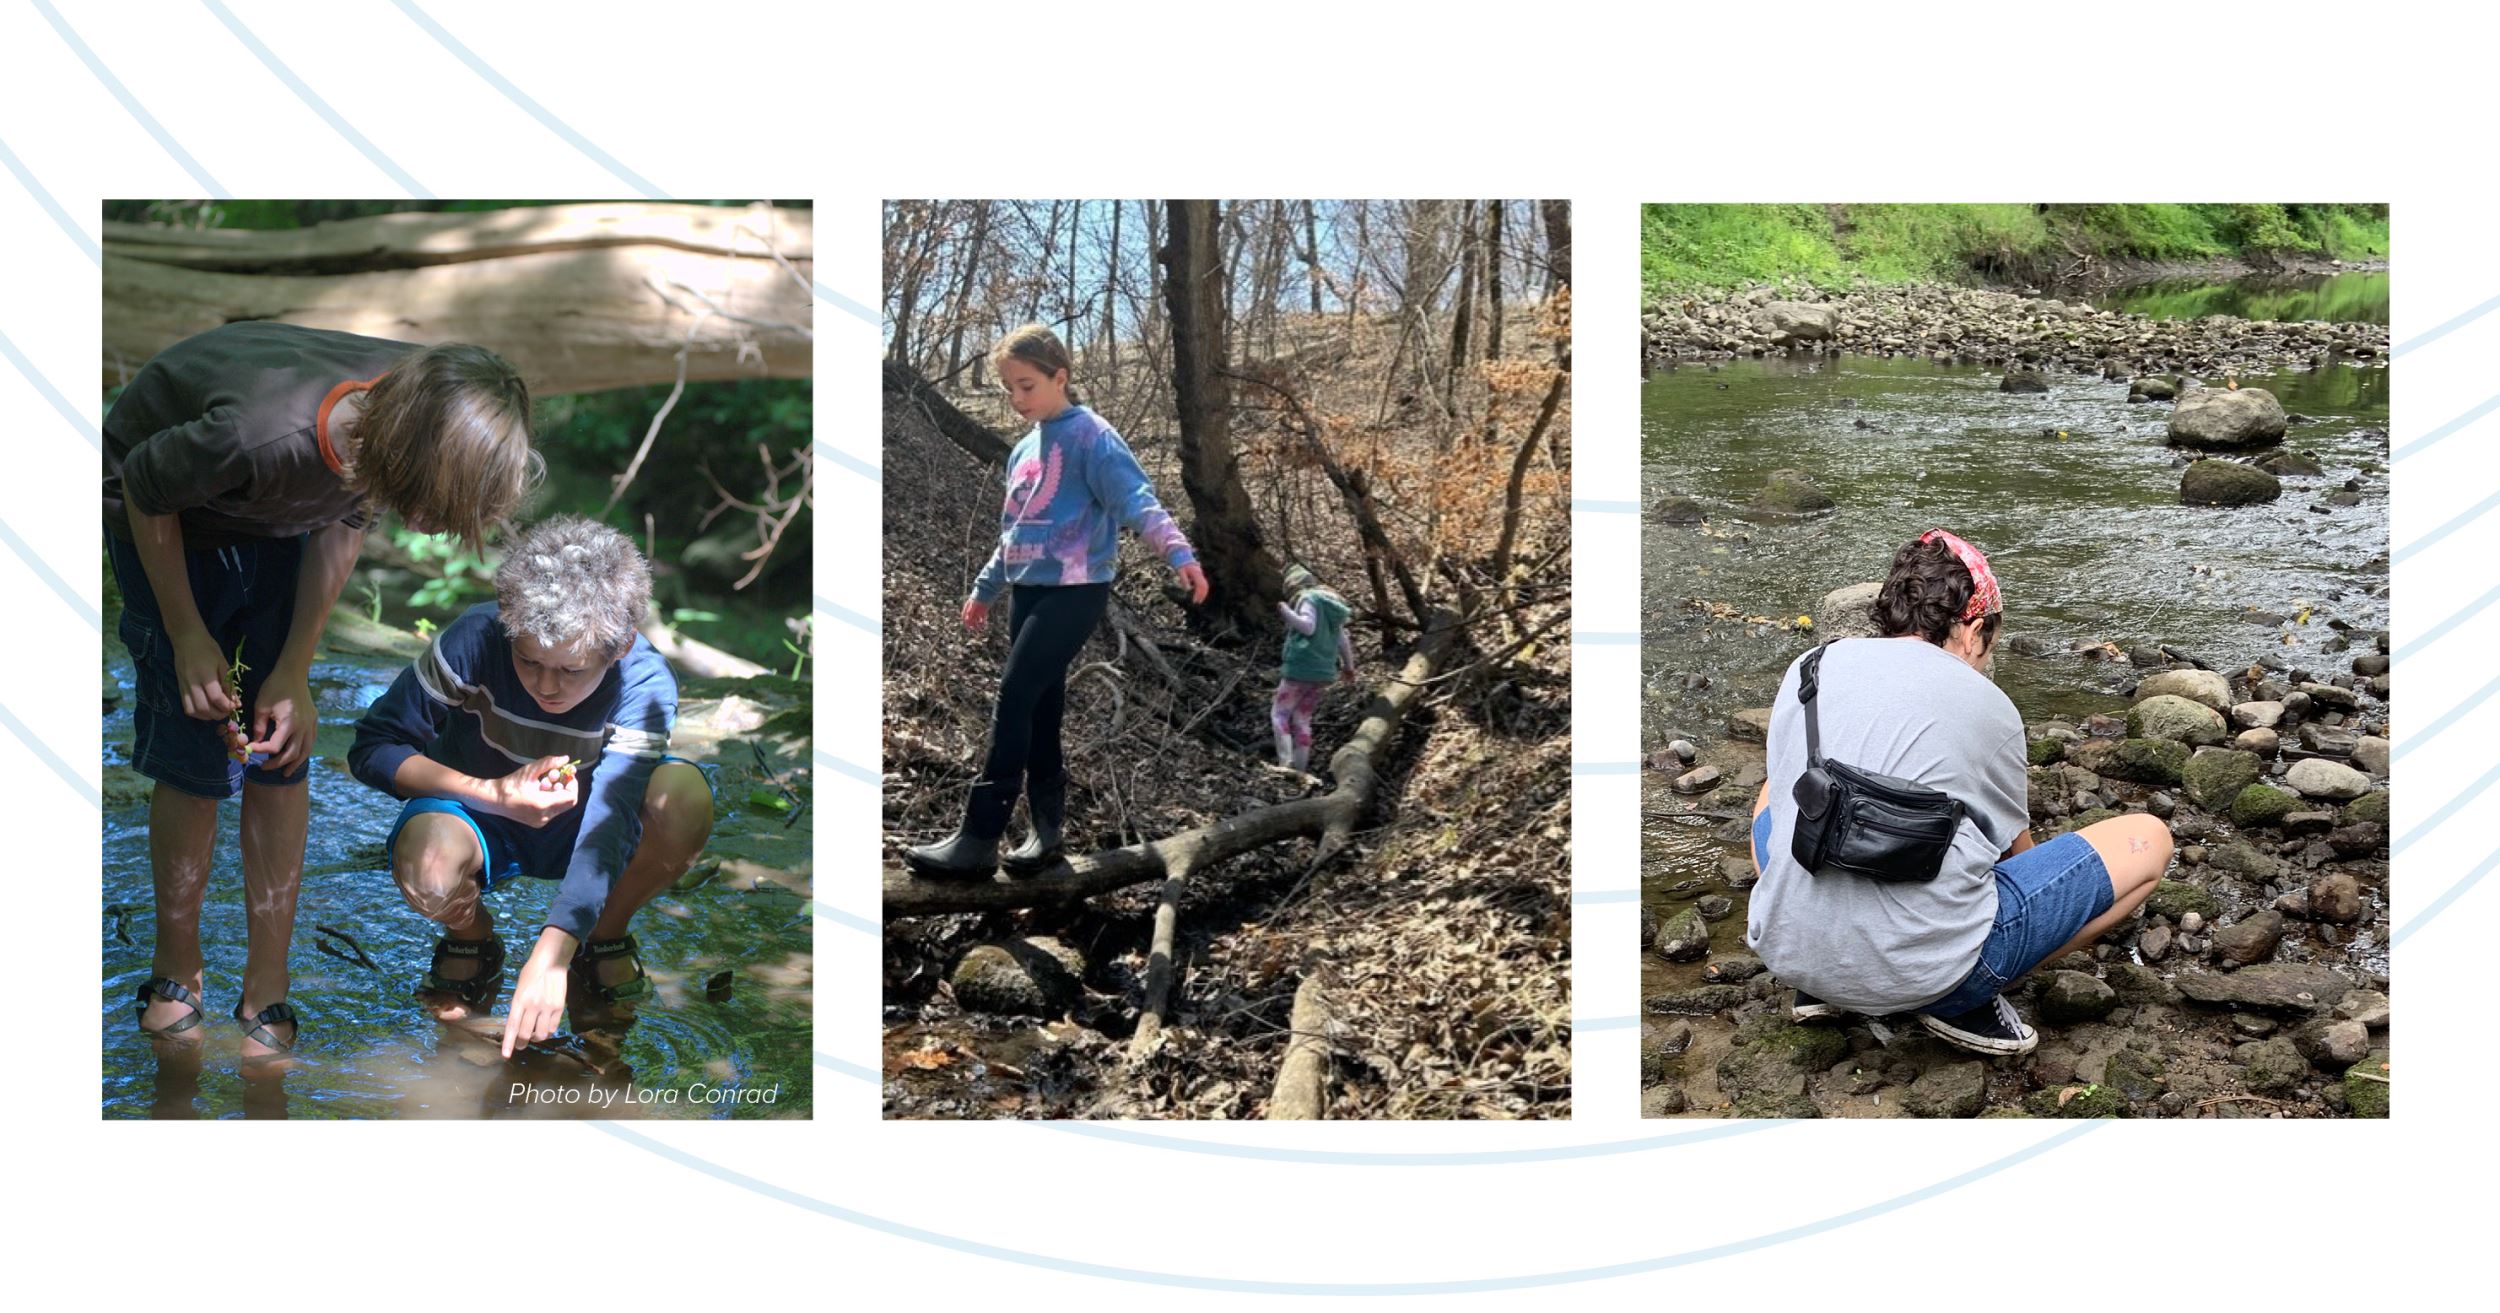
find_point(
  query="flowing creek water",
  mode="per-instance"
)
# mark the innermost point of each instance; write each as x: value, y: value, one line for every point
x: 730, y: 950
x: 2073, y: 493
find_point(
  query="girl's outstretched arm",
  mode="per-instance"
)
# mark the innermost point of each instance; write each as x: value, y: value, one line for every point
x: 1120, y: 486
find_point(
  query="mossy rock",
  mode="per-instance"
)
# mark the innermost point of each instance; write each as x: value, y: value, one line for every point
x: 2368, y: 809
x: 2042, y: 752
x: 1037, y: 977
x: 1790, y: 492
x: 2003, y: 1111
x: 2261, y: 804
x: 2147, y: 761
x: 2086, y: 1101
x: 2215, y: 776
x: 2273, y: 1066
x: 1771, y: 1052
x: 2364, y: 1097
x: 2094, y: 816
x: 1758, y: 1107
x: 2135, y: 1074
x: 2177, y: 898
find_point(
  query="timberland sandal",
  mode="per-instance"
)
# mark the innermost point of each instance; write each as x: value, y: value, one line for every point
x: 479, y: 989
x: 595, y: 951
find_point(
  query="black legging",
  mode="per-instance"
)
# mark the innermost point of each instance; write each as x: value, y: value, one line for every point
x: 1049, y: 626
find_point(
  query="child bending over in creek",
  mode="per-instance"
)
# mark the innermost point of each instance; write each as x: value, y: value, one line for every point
x: 531, y: 738
x: 1318, y: 651
x: 1072, y: 485
x: 1918, y: 704
x: 240, y: 468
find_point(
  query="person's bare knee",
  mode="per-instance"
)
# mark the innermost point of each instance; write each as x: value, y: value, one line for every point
x: 432, y: 865
x: 2134, y: 848
x: 677, y: 809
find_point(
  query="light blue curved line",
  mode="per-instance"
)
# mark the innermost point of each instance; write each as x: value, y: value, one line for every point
x: 2440, y: 630
x: 850, y: 1069
x: 2440, y: 817
x: 1603, y: 638
x: 2450, y: 427
x: 1605, y: 768
x: 129, y: 102
x: 849, y: 462
x: 95, y: 438
x: 848, y: 921
x: 1604, y: 1023
x: 2461, y: 710
x: 1598, y: 507
x: 50, y: 206
x: 841, y: 302
x: 270, y: 60
x: 2472, y: 513
x: 1479, y: 1158
x: 844, y: 614
x: 1596, y: 896
x: 2425, y: 339
x: 94, y: 795
x: 26, y: 552
x: 2440, y: 904
x: 1242, y: 1285
x: 528, y: 106
x: 839, y: 766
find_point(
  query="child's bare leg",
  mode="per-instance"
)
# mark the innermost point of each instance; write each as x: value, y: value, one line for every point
x: 182, y: 837
x: 275, y: 818
x: 436, y: 864
x: 676, y: 822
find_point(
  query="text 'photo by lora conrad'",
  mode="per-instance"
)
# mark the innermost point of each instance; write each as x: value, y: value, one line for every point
x: 1227, y: 659
x: 457, y: 719
x: 2014, y: 661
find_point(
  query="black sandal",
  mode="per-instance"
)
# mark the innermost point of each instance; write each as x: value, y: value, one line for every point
x: 172, y: 991
x: 478, y: 990
x: 256, y: 1027
x: 595, y: 951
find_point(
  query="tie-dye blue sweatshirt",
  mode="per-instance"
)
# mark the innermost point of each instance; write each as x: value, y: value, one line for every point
x: 1072, y: 483
x: 462, y: 704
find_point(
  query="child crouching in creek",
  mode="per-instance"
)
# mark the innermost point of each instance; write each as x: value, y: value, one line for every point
x: 531, y: 738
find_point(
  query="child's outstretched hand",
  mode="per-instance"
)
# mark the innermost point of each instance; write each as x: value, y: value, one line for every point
x: 976, y: 613
x: 1195, y: 579
x: 538, y: 996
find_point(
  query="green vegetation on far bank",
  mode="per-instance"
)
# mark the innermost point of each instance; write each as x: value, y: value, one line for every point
x: 1726, y: 245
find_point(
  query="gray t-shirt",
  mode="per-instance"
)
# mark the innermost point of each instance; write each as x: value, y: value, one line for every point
x: 1905, y: 707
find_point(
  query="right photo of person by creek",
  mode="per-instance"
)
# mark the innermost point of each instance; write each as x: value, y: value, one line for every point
x: 2015, y: 661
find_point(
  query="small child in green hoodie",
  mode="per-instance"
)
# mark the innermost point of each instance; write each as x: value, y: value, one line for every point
x: 1317, y: 651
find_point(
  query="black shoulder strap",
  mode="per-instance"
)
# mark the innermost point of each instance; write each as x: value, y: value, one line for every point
x: 1809, y: 682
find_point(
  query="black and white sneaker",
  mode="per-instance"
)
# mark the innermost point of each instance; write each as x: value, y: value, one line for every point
x: 1806, y: 1007
x: 1991, y: 1028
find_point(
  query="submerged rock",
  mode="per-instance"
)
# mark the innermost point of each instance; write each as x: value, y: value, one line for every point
x: 2227, y: 483
x: 1790, y: 492
x: 2023, y: 380
x: 1676, y: 510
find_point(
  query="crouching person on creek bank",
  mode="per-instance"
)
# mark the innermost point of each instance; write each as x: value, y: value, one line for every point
x: 1918, y: 705
x: 531, y: 738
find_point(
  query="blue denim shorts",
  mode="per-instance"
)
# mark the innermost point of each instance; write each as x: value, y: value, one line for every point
x: 2046, y: 895
x: 245, y: 595
x: 511, y: 848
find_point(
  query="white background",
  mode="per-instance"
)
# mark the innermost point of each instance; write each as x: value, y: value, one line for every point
x: 1607, y: 105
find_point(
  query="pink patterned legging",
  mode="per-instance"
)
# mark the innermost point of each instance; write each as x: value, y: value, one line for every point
x: 1296, y: 702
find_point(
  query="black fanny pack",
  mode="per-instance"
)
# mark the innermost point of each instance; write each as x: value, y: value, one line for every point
x: 1881, y: 827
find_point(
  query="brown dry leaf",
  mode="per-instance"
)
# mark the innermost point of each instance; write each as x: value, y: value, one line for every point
x: 2068, y: 1093
x: 928, y: 1059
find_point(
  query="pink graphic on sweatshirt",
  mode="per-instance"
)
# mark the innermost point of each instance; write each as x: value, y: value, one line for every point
x: 1029, y: 495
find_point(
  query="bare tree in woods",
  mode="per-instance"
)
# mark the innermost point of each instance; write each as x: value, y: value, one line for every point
x: 1242, y: 576
x: 1557, y: 245
x: 1493, y: 280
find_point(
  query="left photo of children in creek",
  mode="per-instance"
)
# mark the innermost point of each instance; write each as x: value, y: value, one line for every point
x: 1227, y: 659
x: 457, y: 716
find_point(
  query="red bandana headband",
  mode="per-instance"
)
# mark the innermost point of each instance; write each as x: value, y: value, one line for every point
x: 1984, y: 599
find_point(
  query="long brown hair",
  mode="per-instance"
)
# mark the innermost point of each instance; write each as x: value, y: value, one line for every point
x: 444, y: 440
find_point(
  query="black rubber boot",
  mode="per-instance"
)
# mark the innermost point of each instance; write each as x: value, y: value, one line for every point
x: 1046, y: 805
x: 971, y: 852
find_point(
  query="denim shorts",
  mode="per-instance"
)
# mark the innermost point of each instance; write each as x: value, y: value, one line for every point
x: 2046, y: 895
x: 511, y: 848
x: 245, y: 595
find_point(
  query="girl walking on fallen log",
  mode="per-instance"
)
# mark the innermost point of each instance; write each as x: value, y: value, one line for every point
x: 1072, y: 485
x: 1318, y: 651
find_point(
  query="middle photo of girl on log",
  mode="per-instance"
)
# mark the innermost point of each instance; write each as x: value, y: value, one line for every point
x: 1227, y: 664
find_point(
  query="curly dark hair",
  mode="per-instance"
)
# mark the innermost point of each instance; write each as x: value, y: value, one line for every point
x: 1925, y: 594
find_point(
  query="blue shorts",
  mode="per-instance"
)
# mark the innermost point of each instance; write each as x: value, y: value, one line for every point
x: 2046, y: 895
x: 245, y: 595
x: 509, y: 847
